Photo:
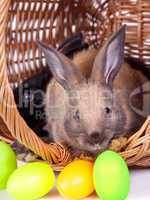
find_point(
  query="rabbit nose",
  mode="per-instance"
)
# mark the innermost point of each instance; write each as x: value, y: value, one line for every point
x: 96, y: 137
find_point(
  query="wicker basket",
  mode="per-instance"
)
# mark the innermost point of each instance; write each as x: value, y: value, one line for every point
x: 22, y: 22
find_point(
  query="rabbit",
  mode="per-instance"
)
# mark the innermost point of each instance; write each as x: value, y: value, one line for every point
x: 30, y: 92
x: 87, y: 101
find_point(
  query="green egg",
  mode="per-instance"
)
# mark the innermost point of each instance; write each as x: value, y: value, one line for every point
x: 8, y: 163
x: 31, y: 181
x: 111, y: 176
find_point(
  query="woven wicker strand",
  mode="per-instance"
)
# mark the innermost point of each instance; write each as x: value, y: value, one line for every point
x: 138, y: 147
x: 9, y: 113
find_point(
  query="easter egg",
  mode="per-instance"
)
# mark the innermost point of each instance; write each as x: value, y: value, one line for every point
x: 76, y: 180
x: 31, y: 181
x: 8, y: 163
x: 111, y: 176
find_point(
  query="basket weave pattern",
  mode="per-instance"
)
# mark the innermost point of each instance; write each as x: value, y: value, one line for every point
x: 51, y: 22
x: 44, y: 20
x: 135, y: 13
x: 9, y: 115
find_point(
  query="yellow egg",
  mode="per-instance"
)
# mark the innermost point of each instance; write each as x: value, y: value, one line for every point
x: 76, y: 180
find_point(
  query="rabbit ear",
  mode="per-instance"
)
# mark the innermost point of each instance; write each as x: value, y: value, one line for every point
x: 110, y: 58
x: 63, y: 70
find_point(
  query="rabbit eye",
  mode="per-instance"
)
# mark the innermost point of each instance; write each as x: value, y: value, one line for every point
x: 77, y: 115
x: 107, y: 110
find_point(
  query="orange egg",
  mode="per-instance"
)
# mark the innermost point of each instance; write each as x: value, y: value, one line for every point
x: 76, y: 180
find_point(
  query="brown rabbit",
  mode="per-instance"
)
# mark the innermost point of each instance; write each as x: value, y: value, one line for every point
x: 87, y: 102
